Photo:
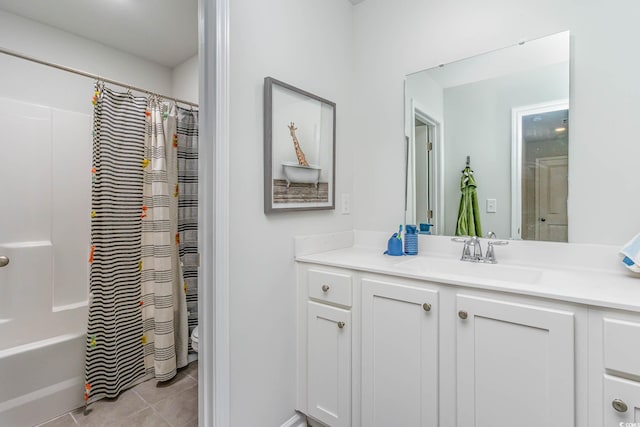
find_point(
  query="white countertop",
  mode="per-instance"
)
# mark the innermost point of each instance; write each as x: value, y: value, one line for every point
x: 583, y: 284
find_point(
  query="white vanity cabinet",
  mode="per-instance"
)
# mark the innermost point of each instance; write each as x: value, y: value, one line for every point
x: 615, y: 368
x: 399, y: 359
x: 515, y: 363
x: 377, y: 350
x: 324, y: 345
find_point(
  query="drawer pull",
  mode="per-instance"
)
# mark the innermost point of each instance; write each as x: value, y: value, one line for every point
x: 325, y: 288
x: 462, y: 314
x: 619, y: 405
x: 341, y: 325
x: 4, y: 261
x: 426, y: 306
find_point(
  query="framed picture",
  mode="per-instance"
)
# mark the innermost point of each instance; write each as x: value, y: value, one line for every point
x: 299, y: 149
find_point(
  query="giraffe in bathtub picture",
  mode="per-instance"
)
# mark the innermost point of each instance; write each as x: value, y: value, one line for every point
x: 301, y: 159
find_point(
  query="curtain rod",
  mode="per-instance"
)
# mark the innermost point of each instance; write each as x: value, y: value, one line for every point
x: 90, y: 75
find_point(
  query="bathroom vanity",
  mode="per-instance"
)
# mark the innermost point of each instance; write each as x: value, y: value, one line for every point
x: 549, y: 336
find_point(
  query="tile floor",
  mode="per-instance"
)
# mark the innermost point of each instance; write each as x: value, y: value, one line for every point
x: 172, y: 404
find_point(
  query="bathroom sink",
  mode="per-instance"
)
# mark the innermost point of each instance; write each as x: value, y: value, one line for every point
x: 460, y: 269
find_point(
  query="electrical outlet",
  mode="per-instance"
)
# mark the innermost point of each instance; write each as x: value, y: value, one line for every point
x: 345, y: 206
x: 491, y: 206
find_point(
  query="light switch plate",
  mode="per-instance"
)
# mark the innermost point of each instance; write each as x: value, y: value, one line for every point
x: 491, y: 206
x: 345, y: 205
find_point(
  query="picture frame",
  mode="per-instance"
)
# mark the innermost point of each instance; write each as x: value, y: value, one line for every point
x: 299, y: 149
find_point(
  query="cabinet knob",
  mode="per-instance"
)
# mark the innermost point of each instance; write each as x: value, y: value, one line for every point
x: 462, y: 314
x: 619, y: 405
x: 426, y: 306
x: 341, y: 325
x: 4, y: 261
x: 325, y: 288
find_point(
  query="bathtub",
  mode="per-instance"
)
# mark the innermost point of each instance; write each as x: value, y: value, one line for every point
x: 46, y: 378
x: 42, y: 334
x: 295, y: 173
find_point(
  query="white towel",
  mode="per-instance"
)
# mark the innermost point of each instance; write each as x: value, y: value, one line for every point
x: 631, y: 254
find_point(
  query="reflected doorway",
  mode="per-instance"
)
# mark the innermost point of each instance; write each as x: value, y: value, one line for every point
x: 542, y: 146
x: 423, y: 173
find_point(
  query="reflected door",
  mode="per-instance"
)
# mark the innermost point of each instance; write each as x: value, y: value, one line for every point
x: 551, y: 199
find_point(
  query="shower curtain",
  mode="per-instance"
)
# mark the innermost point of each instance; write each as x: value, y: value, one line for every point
x: 137, y: 326
x: 187, y: 141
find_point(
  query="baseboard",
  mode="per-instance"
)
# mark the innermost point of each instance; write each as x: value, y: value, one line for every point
x: 298, y: 420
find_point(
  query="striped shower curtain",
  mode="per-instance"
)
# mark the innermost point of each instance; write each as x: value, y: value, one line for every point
x: 187, y: 145
x: 137, y: 326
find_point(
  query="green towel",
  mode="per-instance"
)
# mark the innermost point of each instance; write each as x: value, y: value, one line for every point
x: 468, y: 213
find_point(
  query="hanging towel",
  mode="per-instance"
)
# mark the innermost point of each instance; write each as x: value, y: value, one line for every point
x: 631, y: 254
x: 468, y: 213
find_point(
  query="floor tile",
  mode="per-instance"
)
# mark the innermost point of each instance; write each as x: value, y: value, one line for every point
x: 153, y: 391
x: 191, y: 423
x: 192, y: 370
x: 63, y: 421
x: 145, y: 418
x: 108, y: 410
x: 179, y: 408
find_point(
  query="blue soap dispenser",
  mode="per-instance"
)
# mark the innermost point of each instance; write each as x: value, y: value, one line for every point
x: 411, y: 240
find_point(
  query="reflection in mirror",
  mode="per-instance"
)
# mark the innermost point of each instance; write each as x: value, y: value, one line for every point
x: 507, y: 112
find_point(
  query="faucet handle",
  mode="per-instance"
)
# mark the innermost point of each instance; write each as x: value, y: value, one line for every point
x: 491, y: 254
x: 466, y: 252
x: 461, y: 239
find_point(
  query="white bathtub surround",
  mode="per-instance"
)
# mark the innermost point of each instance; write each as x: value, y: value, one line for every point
x: 431, y: 340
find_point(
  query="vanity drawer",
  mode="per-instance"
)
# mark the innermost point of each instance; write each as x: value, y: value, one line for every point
x: 621, y: 344
x: 330, y: 287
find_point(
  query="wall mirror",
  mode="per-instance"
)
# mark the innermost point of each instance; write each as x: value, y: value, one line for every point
x: 499, y: 120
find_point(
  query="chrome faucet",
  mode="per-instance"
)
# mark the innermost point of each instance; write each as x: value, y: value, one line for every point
x: 475, y: 255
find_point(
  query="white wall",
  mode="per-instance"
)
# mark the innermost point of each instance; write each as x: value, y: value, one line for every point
x: 308, y: 44
x: 184, y: 80
x: 393, y: 39
x: 61, y: 89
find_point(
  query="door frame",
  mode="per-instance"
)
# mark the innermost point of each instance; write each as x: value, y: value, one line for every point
x: 213, y: 293
x: 417, y: 111
x: 517, y: 114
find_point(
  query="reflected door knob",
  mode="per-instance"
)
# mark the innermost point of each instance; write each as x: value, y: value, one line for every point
x: 4, y: 261
x: 619, y: 405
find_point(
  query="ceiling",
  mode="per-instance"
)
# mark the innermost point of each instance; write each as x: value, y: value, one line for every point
x: 161, y: 31
x: 545, y: 126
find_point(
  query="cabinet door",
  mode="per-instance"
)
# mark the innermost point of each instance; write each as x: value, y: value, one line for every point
x: 515, y: 364
x: 399, y: 355
x: 621, y: 402
x: 329, y: 364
